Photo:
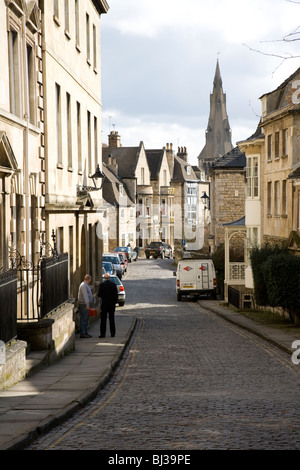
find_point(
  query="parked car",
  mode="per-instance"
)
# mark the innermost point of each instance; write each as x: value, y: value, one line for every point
x: 158, y: 249
x: 103, y: 271
x: 123, y: 260
x: 130, y: 253
x: 107, y: 265
x: 121, y: 290
x: 114, y: 259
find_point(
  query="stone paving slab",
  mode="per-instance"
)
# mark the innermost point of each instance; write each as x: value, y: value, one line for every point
x: 55, y: 392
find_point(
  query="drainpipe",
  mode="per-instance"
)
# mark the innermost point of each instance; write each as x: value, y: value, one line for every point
x: 26, y: 152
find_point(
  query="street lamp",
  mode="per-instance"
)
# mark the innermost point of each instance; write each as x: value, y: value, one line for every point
x: 205, y: 200
x: 83, y: 189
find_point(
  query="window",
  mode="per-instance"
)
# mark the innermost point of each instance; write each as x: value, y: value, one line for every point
x: 163, y: 207
x: 56, y: 11
x: 269, y: 198
x: 191, y: 203
x: 31, y: 83
x: 165, y: 178
x: 89, y: 142
x: 77, y: 36
x: 140, y: 207
x: 148, y: 207
x: 276, y: 150
x: 79, y: 154
x: 253, y: 236
x: 142, y: 176
x: 69, y: 130
x: 96, y: 140
x: 284, y: 142
x: 269, y: 147
x: 60, y: 240
x: 252, y: 176
x: 88, y: 40
x: 95, y: 47
x: 67, y: 18
x: 284, y: 199
x: 58, y: 123
x: 277, y: 198
x: 14, y: 72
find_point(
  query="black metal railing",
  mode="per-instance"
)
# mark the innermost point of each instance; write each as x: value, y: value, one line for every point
x: 54, y: 283
x: 234, y: 297
x: 8, y: 305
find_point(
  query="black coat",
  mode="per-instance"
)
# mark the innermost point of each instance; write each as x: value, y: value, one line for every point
x: 108, y: 292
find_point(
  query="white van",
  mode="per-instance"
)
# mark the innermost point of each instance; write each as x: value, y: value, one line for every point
x: 196, y: 276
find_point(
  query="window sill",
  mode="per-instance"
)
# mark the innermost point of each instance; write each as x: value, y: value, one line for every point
x: 56, y: 20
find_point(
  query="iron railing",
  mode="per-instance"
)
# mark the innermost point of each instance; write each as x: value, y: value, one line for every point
x: 234, y: 297
x: 54, y: 283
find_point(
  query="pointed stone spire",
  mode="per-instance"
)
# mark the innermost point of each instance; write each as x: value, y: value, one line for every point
x: 218, y: 132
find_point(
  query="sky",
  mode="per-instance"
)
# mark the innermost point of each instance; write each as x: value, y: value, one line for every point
x: 158, y: 60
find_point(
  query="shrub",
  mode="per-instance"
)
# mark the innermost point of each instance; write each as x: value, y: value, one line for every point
x: 282, y: 279
x: 258, y: 256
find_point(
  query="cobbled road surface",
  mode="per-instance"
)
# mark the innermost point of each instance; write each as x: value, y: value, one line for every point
x: 189, y: 380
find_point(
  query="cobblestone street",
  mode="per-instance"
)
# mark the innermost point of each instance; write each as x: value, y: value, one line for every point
x: 188, y: 381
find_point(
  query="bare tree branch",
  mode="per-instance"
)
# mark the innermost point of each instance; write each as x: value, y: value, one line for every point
x: 284, y: 57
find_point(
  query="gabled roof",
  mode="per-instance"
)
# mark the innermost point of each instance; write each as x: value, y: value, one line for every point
x: 111, y: 192
x: 180, y: 170
x: 281, y: 96
x: 154, y: 159
x: 233, y: 159
x: 126, y: 159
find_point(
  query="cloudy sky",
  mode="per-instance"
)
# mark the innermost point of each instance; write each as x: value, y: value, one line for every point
x: 159, y: 59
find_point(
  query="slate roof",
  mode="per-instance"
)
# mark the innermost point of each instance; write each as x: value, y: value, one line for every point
x: 154, y: 158
x: 111, y: 188
x: 126, y: 159
x: 180, y: 173
x: 239, y: 222
x: 232, y: 159
x: 295, y: 174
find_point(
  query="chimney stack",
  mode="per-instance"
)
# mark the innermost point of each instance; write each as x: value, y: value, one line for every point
x: 114, y: 140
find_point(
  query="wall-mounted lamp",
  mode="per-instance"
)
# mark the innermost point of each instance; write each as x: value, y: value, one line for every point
x: 96, y: 176
x: 205, y: 200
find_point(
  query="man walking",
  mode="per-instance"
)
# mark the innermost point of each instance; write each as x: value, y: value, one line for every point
x: 108, y: 293
x: 85, y: 300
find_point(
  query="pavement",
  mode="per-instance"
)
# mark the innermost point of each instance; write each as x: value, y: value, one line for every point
x: 51, y: 395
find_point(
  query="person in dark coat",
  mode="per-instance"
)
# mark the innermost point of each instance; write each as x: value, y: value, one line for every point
x: 108, y: 293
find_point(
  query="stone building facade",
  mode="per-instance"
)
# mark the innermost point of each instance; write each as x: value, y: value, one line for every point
x: 21, y: 132
x: 72, y: 146
x: 227, y: 190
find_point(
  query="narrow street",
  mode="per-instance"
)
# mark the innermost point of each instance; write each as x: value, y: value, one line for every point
x: 188, y: 381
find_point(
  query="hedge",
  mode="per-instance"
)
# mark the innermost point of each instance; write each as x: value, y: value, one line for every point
x: 276, y: 275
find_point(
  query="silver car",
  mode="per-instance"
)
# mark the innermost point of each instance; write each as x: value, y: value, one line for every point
x: 121, y: 290
x: 114, y: 260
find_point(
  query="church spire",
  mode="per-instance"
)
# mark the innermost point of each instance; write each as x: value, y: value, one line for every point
x: 218, y: 132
